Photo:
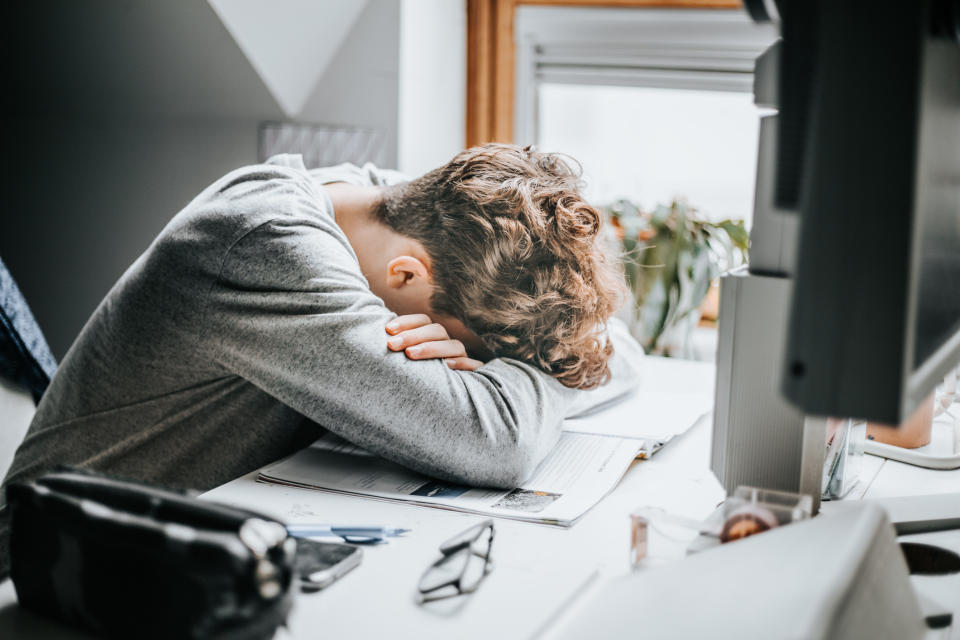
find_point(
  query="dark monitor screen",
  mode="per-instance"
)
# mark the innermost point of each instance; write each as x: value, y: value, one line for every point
x: 870, y: 161
x: 938, y: 204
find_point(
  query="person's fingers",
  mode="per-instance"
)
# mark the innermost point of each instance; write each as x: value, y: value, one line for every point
x: 427, y: 333
x: 463, y: 364
x: 436, y: 349
x: 403, y: 323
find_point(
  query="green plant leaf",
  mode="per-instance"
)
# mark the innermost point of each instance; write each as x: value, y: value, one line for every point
x: 671, y: 270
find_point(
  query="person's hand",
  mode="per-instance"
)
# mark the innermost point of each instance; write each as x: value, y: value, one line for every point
x: 422, y: 339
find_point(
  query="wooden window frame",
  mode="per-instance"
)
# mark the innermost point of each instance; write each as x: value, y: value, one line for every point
x: 490, y: 58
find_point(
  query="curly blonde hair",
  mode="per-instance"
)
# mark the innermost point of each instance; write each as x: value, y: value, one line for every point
x: 516, y: 256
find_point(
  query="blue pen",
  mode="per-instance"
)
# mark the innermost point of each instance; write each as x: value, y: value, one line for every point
x: 344, y: 531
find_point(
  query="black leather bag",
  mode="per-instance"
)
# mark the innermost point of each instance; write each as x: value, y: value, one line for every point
x: 131, y: 561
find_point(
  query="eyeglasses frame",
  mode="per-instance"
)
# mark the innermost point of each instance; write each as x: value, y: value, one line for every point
x: 448, y: 549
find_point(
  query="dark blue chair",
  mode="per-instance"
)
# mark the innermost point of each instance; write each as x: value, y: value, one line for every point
x: 25, y: 357
x: 26, y: 366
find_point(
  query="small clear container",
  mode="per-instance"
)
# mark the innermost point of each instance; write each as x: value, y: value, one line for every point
x: 672, y: 532
x: 747, y: 512
x: 751, y: 510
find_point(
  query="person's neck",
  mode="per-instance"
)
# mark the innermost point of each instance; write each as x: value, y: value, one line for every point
x: 353, y: 206
x: 374, y: 243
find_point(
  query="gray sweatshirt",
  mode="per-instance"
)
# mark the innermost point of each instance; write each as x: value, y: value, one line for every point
x: 247, y: 328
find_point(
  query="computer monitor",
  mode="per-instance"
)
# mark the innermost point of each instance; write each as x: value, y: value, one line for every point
x: 869, y: 158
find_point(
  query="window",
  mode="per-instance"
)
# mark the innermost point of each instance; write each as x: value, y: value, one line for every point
x: 652, y: 146
x: 655, y: 103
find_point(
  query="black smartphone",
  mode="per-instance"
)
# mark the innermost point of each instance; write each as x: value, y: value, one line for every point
x: 319, y: 564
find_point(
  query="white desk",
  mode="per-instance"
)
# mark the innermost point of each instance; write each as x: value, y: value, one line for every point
x: 540, y: 570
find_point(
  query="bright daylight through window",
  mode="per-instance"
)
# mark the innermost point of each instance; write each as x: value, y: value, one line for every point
x: 652, y: 146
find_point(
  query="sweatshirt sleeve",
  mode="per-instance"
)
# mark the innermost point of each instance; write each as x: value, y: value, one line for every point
x: 292, y: 314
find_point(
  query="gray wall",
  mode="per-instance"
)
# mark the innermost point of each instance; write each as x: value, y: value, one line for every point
x: 118, y: 113
x: 83, y: 198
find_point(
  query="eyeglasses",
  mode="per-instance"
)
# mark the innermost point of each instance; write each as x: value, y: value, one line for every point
x: 464, y: 563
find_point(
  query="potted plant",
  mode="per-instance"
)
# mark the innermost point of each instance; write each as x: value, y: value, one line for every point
x: 671, y: 258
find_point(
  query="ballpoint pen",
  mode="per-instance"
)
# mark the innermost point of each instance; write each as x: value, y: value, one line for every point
x: 347, y: 532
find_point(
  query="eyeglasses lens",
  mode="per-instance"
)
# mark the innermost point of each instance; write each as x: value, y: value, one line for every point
x: 476, y: 568
x: 465, y: 561
x: 445, y: 572
x: 463, y: 539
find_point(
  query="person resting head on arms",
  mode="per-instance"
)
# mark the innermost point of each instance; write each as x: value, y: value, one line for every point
x: 449, y: 324
x: 500, y: 250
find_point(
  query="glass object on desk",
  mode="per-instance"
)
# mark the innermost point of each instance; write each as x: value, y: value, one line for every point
x: 844, y: 453
x: 751, y: 510
x: 672, y: 529
x: 464, y: 562
x: 748, y: 511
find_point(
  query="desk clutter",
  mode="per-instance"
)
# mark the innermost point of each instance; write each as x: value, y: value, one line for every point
x: 121, y: 559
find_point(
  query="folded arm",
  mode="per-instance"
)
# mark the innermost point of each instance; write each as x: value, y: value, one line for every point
x: 292, y: 314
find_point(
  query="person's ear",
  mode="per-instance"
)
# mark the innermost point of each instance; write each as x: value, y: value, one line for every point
x: 404, y: 270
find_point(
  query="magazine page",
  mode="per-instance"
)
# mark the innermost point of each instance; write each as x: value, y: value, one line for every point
x: 580, y: 470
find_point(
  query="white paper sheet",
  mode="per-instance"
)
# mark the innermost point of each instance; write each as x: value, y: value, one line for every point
x: 673, y: 394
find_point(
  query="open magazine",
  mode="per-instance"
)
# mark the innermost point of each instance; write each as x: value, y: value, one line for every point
x: 580, y: 470
x: 594, y: 451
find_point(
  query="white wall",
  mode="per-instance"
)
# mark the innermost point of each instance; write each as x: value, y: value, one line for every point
x: 433, y: 63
